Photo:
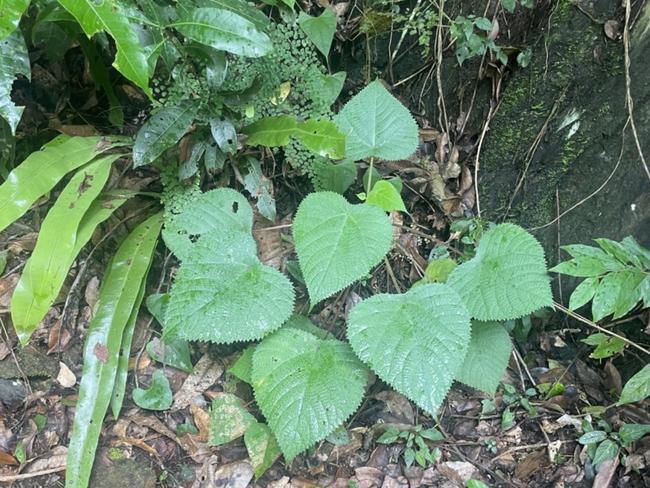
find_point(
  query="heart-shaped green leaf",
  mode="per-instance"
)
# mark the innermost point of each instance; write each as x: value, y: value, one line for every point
x: 338, y: 243
x: 415, y: 341
x: 507, y: 278
x: 487, y: 357
x: 377, y: 125
x: 214, y: 210
x: 223, y: 293
x: 157, y: 397
x: 320, y: 30
x: 305, y: 386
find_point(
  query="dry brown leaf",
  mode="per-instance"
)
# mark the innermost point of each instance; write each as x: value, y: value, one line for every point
x: 26, y: 242
x: 91, y: 293
x: 206, y: 372
x: 612, y: 29
x: 5, y: 350
x: 233, y: 475
x: 460, y: 471
x: 6, y: 459
x: 56, y: 459
x: 58, y: 338
x: 606, y: 473
x: 7, y: 286
x: 202, y: 422
x: 66, y: 378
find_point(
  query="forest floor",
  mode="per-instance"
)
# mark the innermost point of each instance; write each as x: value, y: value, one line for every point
x: 527, y: 435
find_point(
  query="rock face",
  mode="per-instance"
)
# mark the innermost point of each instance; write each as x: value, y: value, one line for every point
x: 557, y: 132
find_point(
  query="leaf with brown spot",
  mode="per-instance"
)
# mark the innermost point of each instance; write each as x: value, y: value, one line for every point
x: 101, y: 352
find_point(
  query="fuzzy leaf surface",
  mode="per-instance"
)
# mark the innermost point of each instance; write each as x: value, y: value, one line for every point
x: 507, y: 278
x: 377, y: 125
x: 161, y: 131
x: 109, y: 17
x: 224, y: 30
x: 415, y: 341
x: 14, y: 61
x: 223, y: 293
x: 214, y: 210
x: 320, y: 30
x: 306, y: 387
x: 338, y: 243
x: 487, y: 357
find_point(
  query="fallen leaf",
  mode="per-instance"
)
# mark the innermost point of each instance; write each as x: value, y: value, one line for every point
x: 612, y: 29
x: 460, y: 471
x: 56, y: 459
x: 605, y: 474
x: 233, y: 475
x: 66, y: 378
x: 7, y: 459
x: 206, y: 372
x: 91, y: 294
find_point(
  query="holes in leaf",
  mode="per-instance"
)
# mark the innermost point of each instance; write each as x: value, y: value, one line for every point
x: 193, y: 238
x: 235, y: 207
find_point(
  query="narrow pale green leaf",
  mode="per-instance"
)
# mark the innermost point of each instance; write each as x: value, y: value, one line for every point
x: 117, y: 296
x: 157, y: 397
x: 262, y: 447
x: 121, y: 375
x: 10, y: 13
x: 507, y: 278
x: 629, y: 292
x: 224, y: 30
x: 606, y: 294
x: 229, y: 419
x: 48, y: 265
x: 637, y: 388
x: 306, y: 387
x: 162, y: 131
x: 385, y: 196
x: 320, y: 30
x: 416, y: 341
x: 338, y: 243
x: 592, y: 437
x: 583, y: 293
x: 377, y: 125
x: 582, y: 266
x: 271, y: 131
x: 321, y: 137
x: 487, y: 357
x: 14, y: 61
x: 222, y: 208
x: 110, y: 17
x: 223, y: 293
x: 42, y: 170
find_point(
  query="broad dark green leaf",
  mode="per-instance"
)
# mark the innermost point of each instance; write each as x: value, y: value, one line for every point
x: 14, y: 61
x: 10, y: 13
x: 117, y: 296
x: 224, y: 30
x: 320, y: 30
x: 157, y: 397
x: 322, y: 137
x: 43, y: 169
x: 224, y: 134
x: 162, y: 131
x: 109, y: 17
x: 243, y: 9
x: 47, y: 267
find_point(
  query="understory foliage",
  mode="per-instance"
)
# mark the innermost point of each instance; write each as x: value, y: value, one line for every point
x: 233, y: 87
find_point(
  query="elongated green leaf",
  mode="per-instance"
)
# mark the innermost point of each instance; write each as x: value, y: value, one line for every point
x: 213, y: 210
x: 377, y: 125
x: 118, y: 294
x: 322, y: 137
x: 47, y: 267
x: 338, y: 243
x: 583, y: 293
x: 224, y: 30
x: 507, y: 278
x: 43, y: 169
x: 271, y: 131
x: 637, y: 388
x: 10, y: 13
x: 243, y: 9
x: 223, y: 293
x: 262, y: 447
x: 487, y: 357
x: 119, y: 389
x: 161, y: 131
x: 415, y: 341
x: 320, y: 30
x: 109, y: 17
x: 306, y: 387
x: 157, y: 397
x: 605, y: 451
x: 14, y: 61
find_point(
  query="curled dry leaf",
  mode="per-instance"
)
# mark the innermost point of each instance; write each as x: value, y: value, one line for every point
x: 206, y: 372
x: 612, y: 29
x: 66, y: 378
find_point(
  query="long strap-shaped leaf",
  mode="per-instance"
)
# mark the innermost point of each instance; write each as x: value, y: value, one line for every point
x: 109, y: 17
x: 117, y: 297
x: 43, y: 169
x: 47, y: 267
